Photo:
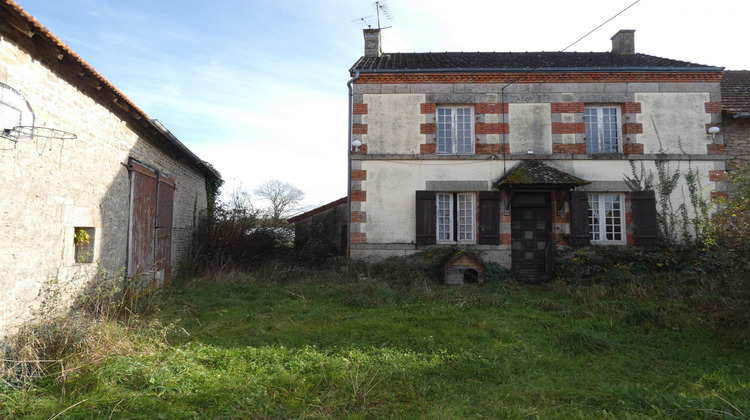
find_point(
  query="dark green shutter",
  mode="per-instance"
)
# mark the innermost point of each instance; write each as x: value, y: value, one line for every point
x: 489, y: 218
x: 645, y: 228
x: 426, y: 218
x: 579, y: 218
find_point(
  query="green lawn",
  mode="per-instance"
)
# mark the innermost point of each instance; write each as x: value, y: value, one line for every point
x: 330, y: 343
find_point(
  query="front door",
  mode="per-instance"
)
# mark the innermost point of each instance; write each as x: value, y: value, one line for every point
x: 531, y: 221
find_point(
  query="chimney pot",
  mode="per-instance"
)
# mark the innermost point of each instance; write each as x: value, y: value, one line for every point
x: 372, y: 43
x: 623, y: 42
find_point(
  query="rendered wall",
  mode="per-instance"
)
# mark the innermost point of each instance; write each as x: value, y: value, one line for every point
x: 50, y: 187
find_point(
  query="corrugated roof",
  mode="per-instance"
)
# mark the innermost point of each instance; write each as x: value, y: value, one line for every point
x: 735, y: 91
x: 524, y: 61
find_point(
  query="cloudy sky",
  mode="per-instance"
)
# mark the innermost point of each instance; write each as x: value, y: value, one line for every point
x: 258, y: 87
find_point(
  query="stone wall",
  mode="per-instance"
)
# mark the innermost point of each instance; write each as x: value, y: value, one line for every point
x: 51, y: 186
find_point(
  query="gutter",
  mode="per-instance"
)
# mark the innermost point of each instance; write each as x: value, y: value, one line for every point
x: 349, y: 160
x: 545, y: 70
x: 192, y: 157
x: 741, y: 115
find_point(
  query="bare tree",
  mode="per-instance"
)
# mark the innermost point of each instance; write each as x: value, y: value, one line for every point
x: 283, y: 199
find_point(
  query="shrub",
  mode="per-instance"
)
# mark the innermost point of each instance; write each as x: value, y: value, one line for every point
x: 729, y: 232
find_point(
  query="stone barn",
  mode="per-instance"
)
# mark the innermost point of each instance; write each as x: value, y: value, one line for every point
x: 89, y: 181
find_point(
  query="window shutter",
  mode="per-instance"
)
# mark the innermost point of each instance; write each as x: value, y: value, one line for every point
x: 489, y: 218
x: 645, y: 229
x: 426, y: 218
x: 579, y: 218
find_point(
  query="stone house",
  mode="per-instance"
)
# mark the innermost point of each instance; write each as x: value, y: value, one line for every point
x: 516, y: 154
x: 88, y: 180
x: 735, y: 104
x: 327, y: 223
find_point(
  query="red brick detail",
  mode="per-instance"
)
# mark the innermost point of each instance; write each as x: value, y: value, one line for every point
x: 532, y: 77
x: 491, y: 128
x: 632, y: 128
x: 359, y: 195
x: 715, y: 195
x: 359, y: 174
x: 362, y: 150
x: 358, y: 238
x: 427, y: 108
x: 632, y: 148
x: 561, y: 218
x: 505, y: 238
x: 359, y: 128
x: 504, y: 218
x: 427, y: 149
x: 491, y: 108
x: 712, y: 107
x: 568, y: 128
x: 629, y: 237
x: 715, y: 149
x: 486, y: 149
x: 428, y: 128
x: 567, y: 107
x: 359, y: 109
x: 359, y: 217
x: 568, y: 148
x: 631, y: 108
x: 716, y: 176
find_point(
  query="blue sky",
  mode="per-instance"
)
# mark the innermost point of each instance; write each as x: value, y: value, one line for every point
x: 258, y: 87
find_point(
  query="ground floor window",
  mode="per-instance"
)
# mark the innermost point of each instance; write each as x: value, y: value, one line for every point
x: 455, y: 217
x: 606, y: 218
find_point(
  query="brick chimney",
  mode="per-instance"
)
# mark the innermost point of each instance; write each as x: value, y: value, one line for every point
x: 623, y: 42
x: 372, y: 43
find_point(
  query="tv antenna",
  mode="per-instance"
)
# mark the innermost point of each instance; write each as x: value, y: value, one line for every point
x: 380, y: 7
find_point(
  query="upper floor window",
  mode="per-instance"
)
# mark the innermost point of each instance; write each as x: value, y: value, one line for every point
x: 602, y: 129
x: 606, y: 218
x: 455, y: 130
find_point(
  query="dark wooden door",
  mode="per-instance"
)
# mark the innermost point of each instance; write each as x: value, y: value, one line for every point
x: 530, y: 234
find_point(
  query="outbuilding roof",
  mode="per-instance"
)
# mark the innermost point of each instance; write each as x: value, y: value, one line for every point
x: 735, y: 91
x: 523, y: 62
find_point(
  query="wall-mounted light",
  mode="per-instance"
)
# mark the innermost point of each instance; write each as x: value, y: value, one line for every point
x: 356, y: 144
x: 713, y: 131
x: 529, y: 152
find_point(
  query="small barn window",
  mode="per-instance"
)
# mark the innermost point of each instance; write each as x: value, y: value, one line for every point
x: 83, y: 239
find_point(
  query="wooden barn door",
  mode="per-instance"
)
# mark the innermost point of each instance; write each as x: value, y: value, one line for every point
x: 150, y: 236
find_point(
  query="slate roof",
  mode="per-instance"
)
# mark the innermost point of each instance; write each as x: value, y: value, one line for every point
x: 523, y: 61
x: 735, y: 91
x: 534, y: 172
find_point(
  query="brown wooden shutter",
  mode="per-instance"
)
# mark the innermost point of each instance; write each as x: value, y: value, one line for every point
x: 645, y: 228
x: 426, y: 218
x: 489, y: 218
x: 579, y: 218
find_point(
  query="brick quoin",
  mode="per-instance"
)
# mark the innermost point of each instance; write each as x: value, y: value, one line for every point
x: 631, y: 108
x: 362, y: 150
x: 359, y: 128
x: 632, y: 148
x: 632, y: 128
x: 359, y: 195
x: 562, y: 218
x: 505, y: 238
x: 359, y: 174
x: 716, y: 176
x: 450, y: 78
x: 427, y: 108
x: 712, y: 107
x: 567, y: 107
x: 491, y: 128
x: 568, y: 128
x: 715, y: 149
x: 359, y: 217
x: 358, y: 238
x: 578, y: 148
x: 486, y: 149
x: 491, y: 108
x: 427, y: 128
x: 359, y: 109
x: 427, y: 149
x: 715, y: 195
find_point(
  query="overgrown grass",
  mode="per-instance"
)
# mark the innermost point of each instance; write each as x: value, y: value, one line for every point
x: 390, y: 341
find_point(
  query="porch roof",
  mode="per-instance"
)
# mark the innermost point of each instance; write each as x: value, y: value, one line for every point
x: 534, y: 173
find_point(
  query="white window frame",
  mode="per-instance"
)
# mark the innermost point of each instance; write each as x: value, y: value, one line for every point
x: 450, y: 121
x: 596, y: 137
x: 456, y: 217
x: 607, y: 211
